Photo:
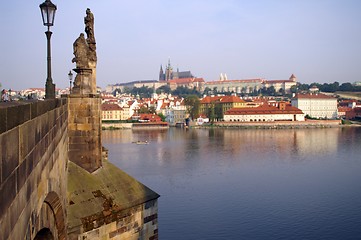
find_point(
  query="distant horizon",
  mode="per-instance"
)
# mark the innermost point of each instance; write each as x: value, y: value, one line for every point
x: 318, y: 41
x: 144, y: 80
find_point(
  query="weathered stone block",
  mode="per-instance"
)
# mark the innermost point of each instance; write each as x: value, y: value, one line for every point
x: 3, y: 116
x: 4, y: 226
x: 27, y: 138
x: 21, y: 175
x: 33, y: 160
x: 14, y: 118
x: 8, y: 189
x: 10, y: 152
x: 84, y: 127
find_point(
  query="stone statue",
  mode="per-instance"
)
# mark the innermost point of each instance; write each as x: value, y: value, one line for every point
x: 85, y: 58
x: 89, y: 26
x: 89, y: 30
x: 81, y: 55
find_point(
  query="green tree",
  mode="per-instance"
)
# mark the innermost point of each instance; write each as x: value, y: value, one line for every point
x: 218, y: 111
x: 270, y: 91
x: 161, y: 115
x: 303, y: 87
x: 163, y: 89
x: 215, y: 91
x: 143, y: 109
x: 281, y: 92
x: 207, y: 91
x: 152, y: 109
x: 294, y: 89
x: 143, y: 92
x: 192, y: 103
x: 210, y: 112
x: 116, y: 91
x: 127, y: 90
x: 348, y: 87
x: 184, y: 91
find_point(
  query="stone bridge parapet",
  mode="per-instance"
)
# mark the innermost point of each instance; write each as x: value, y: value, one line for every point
x: 33, y: 169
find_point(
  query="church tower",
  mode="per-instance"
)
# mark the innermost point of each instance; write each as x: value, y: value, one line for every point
x: 161, y: 74
x: 293, y: 78
x: 169, y: 72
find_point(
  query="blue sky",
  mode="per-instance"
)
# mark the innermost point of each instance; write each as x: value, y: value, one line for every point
x: 317, y: 40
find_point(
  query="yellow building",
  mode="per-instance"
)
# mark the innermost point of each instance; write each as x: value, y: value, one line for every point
x: 111, y: 112
x: 220, y: 104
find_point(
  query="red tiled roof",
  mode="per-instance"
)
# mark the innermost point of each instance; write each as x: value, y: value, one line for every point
x: 150, y: 117
x: 313, y: 96
x: 209, y: 99
x: 232, y: 81
x: 222, y: 99
x: 264, y: 109
x: 164, y: 105
x: 185, y: 80
x: 344, y: 109
x: 357, y: 110
x: 110, y: 107
x: 277, y: 81
x: 231, y: 99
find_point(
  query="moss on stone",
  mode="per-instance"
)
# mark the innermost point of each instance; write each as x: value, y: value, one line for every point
x: 103, y: 195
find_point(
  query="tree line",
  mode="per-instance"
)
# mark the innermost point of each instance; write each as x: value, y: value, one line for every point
x: 327, y: 87
x: 146, y: 92
x: 181, y: 91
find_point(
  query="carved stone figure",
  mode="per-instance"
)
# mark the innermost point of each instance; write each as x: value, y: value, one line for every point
x: 85, y: 58
x: 89, y: 26
x: 89, y: 30
x: 81, y: 55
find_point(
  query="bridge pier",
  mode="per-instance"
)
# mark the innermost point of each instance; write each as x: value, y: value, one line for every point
x: 84, y: 131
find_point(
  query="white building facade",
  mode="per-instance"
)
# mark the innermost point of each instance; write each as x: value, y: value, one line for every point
x: 316, y: 105
x: 264, y: 113
x: 176, y: 114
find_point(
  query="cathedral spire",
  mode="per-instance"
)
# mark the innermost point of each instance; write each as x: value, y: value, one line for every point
x: 169, y: 71
x: 161, y: 74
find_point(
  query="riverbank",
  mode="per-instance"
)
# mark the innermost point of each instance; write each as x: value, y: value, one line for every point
x: 242, y: 125
x: 283, y: 124
x: 113, y: 126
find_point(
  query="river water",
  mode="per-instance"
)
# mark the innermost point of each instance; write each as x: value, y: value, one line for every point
x: 248, y: 183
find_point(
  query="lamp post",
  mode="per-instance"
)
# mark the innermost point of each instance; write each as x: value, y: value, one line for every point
x: 70, y: 76
x: 48, y: 10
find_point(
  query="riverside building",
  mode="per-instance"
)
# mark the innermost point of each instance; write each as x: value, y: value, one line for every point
x: 316, y: 105
x: 264, y: 113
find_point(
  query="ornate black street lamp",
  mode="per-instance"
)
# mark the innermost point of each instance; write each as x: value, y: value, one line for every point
x: 48, y: 10
x: 70, y: 76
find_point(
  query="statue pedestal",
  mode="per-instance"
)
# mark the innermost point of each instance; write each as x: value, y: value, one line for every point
x: 84, y: 130
x: 83, y: 83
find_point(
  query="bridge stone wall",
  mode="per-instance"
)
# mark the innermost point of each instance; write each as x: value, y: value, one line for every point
x: 33, y: 169
x: 84, y: 129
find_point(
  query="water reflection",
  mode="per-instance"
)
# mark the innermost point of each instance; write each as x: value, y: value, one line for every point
x: 248, y: 184
x: 254, y: 145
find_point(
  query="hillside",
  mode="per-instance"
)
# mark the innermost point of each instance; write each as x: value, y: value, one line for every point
x: 349, y: 95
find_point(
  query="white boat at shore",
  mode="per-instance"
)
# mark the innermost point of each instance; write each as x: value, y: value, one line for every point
x: 141, y: 142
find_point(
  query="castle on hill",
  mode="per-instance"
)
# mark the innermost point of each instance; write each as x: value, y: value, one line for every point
x: 169, y: 74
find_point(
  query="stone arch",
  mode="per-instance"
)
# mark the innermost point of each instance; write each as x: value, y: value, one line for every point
x: 55, y: 204
x: 44, y: 234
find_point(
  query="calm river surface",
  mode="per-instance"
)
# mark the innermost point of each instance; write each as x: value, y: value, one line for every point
x: 248, y: 184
